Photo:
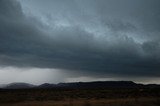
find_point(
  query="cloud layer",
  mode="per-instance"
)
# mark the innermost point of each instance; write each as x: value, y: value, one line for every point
x: 98, y: 38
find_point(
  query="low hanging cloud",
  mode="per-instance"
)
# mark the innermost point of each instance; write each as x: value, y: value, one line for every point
x: 97, y: 40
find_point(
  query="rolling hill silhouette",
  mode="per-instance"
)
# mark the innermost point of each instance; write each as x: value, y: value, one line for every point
x: 82, y: 85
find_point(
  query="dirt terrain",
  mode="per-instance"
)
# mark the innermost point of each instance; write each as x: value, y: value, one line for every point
x: 80, y: 97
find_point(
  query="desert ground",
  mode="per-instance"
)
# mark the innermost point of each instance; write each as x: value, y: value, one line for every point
x: 80, y: 97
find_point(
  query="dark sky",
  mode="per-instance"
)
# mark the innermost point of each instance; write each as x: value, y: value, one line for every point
x: 79, y: 40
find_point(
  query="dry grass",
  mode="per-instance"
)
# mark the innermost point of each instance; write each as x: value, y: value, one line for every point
x: 91, y: 102
x: 80, y: 97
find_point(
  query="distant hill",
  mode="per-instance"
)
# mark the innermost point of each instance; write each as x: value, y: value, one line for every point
x: 82, y: 85
x: 19, y: 86
x: 47, y: 85
x: 99, y: 84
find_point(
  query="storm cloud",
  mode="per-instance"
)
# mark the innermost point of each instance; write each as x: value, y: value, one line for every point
x: 98, y: 38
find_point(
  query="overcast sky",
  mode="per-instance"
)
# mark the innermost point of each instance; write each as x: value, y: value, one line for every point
x: 79, y: 40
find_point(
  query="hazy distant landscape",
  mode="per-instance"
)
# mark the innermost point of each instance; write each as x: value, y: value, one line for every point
x: 109, y: 93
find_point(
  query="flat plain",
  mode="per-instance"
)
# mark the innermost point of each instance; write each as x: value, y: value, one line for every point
x: 80, y: 97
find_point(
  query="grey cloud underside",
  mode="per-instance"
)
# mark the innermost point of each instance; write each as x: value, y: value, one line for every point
x: 24, y: 42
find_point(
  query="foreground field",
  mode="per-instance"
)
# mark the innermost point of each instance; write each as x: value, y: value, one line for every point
x: 80, y: 97
x: 90, y: 102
